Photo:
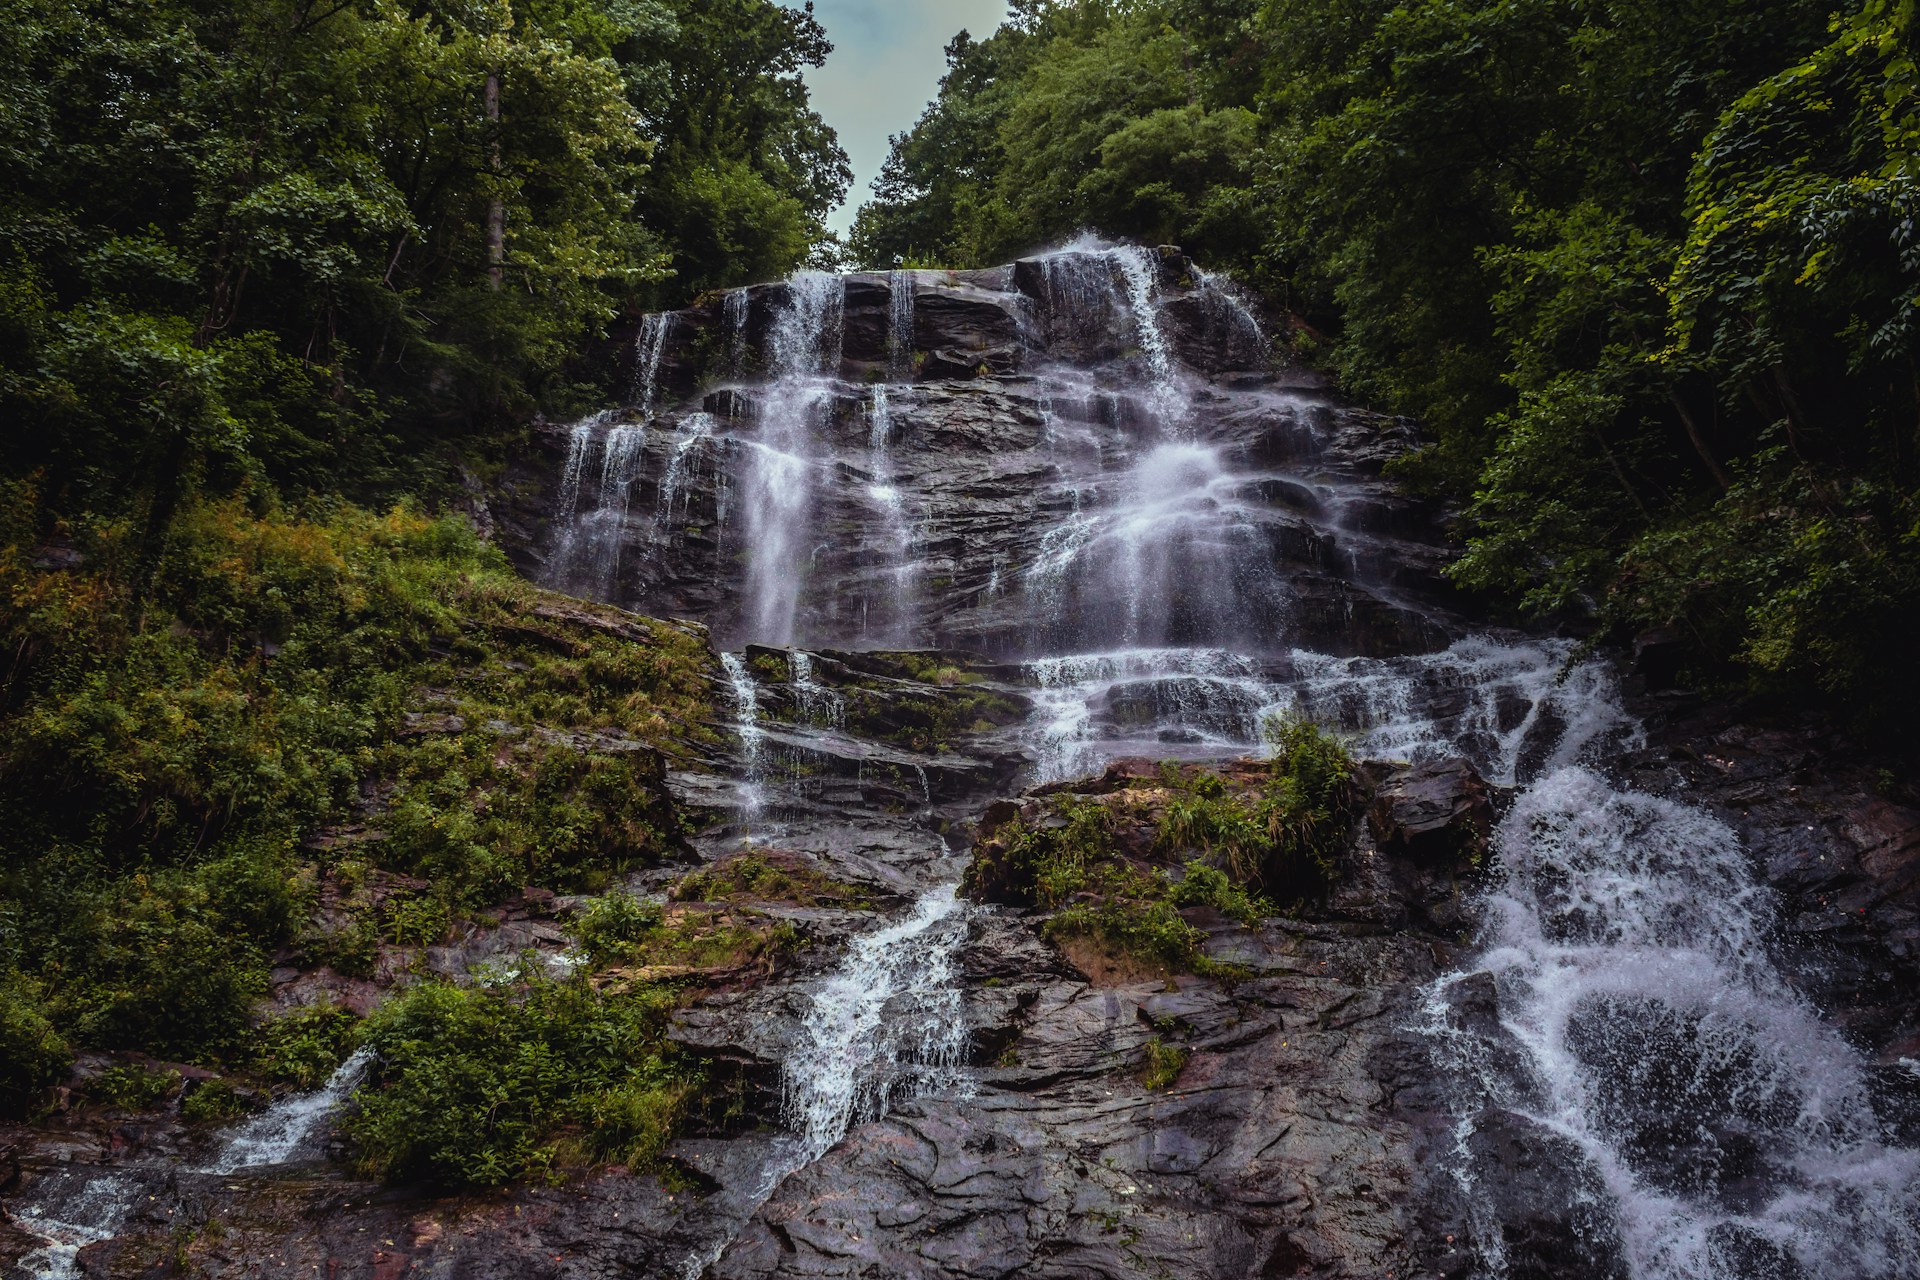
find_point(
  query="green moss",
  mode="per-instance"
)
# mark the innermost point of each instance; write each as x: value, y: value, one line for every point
x: 756, y: 876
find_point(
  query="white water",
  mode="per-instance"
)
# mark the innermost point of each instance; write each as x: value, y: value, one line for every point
x: 735, y: 311
x: 1730, y: 1127
x: 282, y: 1131
x: 746, y: 707
x: 814, y: 703
x: 588, y: 550
x: 694, y: 433
x: 91, y: 1207
x: 776, y: 491
x: 900, y: 326
x: 886, y: 1025
x: 649, y: 347
x: 896, y: 531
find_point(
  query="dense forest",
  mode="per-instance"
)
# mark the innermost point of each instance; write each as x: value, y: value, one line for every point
x: 270, y: 269
x: 1647, y: 270
x: 284, y: 280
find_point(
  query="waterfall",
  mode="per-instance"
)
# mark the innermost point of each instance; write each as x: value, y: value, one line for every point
x: 1138, y: 266
x: 588, y: 541
x: 695, y: 431
x: 776, y: 490
x: 648, y: 348
x: 282, y: 1131
x: 746, y: 707
x: 1165, y: 560
x: 1732, y: 1130
x: 895, y: 531
x: 813, y: 702
x: 735, y: 310
x: 92, y: 1207
x: 885, y: 1025
x: 1241, y: 325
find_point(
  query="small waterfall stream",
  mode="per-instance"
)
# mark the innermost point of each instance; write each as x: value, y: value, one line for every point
x: 283, y: 1130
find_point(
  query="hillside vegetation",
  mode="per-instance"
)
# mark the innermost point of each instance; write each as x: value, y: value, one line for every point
x: 1646, y: 269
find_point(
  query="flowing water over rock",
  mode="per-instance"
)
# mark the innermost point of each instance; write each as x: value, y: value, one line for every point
x: 963, y: 533
x: 284, y: 1130
x: 1162, y: 544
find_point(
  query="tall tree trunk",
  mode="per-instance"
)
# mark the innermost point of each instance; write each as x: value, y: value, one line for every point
x: 496, y: 208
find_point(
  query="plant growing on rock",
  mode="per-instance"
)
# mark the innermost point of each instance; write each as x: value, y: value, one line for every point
x: 765, y: 876
x: 479, y: 1086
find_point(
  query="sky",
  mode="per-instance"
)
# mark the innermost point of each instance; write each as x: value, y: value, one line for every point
x: 886, y: 65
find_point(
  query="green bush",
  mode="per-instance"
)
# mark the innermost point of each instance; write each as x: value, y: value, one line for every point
x: 33, y: 1056
x: 303, y: 1046
x: 133, y: 1088
x: 212, y: 1101
x: 614, y: 925
x: 475, y: 1086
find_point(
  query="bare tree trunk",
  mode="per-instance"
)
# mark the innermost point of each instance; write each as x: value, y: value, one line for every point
x: 1718, y: 472
x: 496, y: 208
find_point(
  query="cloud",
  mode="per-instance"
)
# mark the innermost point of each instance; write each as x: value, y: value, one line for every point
x: 886, y: 64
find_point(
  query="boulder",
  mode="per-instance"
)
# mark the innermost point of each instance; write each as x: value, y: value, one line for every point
x: 1432, y: 812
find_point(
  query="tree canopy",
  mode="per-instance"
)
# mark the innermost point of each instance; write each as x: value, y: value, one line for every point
x: 294, y: 241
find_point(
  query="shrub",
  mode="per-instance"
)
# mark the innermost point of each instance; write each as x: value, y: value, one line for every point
x: 614, y: 925
x: 133, y: 1088
x: 474, y: 1085
x: 212, y: 1101
x: 1163, y: 1065
x: 33, y: 1056
x: 303, y: 1046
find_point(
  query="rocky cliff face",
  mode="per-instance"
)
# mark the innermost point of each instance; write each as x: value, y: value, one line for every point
x: 1021, y: 461
x: 1038, y: 550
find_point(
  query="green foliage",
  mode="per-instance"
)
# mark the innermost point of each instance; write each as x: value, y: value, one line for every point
x: 33, y: 1056
x: 1287, y: 836
x: 1645, y: 270
x: 476, y: 1086
x: 757, y: 876
x: 302, y: 1047
x: 211, y: 1102
x: 256, y: 242
x: 133, y: 1088
x: 1163, y: 1065
x: 614, y: 925
x: 169, y: 763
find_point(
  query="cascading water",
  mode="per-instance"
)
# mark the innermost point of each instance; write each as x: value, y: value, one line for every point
x: 900, y: 326
x: 746, y: 705
x: 1730, y: 1131
x: 1162, y: 560
x: 896, y: 531
x: 283, y: 1130
x: 592, y: 538
x: 649, y: 348
x: 885, y: 1024
x: 92, y: 1205
x: 776, y: 490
